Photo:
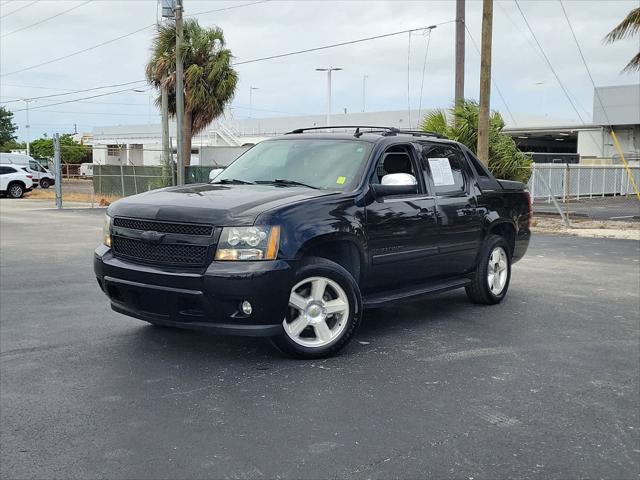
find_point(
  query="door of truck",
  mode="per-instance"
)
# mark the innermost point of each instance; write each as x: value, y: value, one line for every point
x: 401, y: 229
x: 459, y: 220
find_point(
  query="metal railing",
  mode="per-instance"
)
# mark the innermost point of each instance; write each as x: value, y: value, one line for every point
x: 575, y: 182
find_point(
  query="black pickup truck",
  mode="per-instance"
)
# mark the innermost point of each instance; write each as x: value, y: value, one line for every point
x: 302, y: 233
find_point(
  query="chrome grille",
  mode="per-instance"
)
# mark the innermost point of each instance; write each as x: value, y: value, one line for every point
x: 170, y: 253
x: 164, y: 227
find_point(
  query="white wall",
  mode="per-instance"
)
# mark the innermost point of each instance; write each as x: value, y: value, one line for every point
x: 590, y: 143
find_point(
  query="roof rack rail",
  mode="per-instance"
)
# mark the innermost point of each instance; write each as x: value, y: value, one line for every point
x: 331, y: 127
x: 386, y: 130
x: 423, y: 133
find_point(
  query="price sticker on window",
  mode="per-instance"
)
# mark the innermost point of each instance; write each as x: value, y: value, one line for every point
x: 441, y: 172
x: 341, y: 180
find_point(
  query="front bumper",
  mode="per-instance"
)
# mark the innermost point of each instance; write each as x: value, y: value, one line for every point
x: 200, y: 300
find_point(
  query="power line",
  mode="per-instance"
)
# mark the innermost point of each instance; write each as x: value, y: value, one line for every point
x: 495, y: 84
x: 45, y: 20
x: 79, y: 91
x: 271, y: 57
x: 334, y: 45
x: 146, y: 114
x: 584, y: 61
x: 575, y: 109
x: 533, y: 46
x: 75, y: 100
x: 424, y: 68
x: 17, y: 9
x: 107, y: 42
x: 78, y: 52
x: 227, y: 8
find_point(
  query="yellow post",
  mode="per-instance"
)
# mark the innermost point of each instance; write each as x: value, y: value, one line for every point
x: 626, y: 165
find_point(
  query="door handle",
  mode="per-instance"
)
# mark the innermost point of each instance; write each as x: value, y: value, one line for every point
x: 426, y: 213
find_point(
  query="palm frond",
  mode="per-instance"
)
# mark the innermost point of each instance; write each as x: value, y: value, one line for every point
x: 633, y: 65
x: 628, y: 27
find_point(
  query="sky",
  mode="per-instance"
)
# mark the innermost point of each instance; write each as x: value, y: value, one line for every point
x: 289, y: 86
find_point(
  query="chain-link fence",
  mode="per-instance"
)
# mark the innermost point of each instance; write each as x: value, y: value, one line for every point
x: 585, y: 192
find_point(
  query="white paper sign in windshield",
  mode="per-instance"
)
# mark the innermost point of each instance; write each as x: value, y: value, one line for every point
x: 441, y: 172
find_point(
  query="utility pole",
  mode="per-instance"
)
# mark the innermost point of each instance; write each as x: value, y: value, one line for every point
x: 27, y: 126
x: 251, y: 89
x: 364, y: 87
x: 58, y: 169
x: 179, y: 93
x: 164, y: 107
x: 460, y: 11
x: 485, y: 82
x: 328, y: 70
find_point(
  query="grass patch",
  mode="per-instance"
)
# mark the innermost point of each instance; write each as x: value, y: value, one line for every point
x: 49, y: 194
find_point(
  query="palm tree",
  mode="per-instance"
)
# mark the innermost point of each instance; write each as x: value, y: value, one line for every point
x: 209, y: 79
x: 505, y: 160
x: 627, y: 28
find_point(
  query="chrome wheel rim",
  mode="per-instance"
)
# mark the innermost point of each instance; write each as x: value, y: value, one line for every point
x: 497, y: 271
x: 16, y: 191
x: 318, y: 312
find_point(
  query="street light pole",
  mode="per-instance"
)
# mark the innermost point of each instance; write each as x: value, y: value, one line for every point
x: 328, y: 70
x: 27, y: 126
x: 364, y: 86
x: 179, y: 94
x: 251, y: 89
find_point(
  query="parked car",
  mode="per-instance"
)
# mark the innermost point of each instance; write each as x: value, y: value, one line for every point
x: 14, y: 181
x: 42, y: 176
x: 302, y: 233
x: 86, y: 170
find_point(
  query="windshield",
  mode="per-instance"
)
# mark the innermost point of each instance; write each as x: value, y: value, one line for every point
x: 323, y: 164
x: 36, y: 166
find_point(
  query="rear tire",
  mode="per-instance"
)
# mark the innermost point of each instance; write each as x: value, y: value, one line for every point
x: 491, y: 279
x: 45, y: 183
x: 15, y: 190
x: 325, y: 309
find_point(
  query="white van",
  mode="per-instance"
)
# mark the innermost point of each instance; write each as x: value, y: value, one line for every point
x: 86, y: 170
x: 41, y: 175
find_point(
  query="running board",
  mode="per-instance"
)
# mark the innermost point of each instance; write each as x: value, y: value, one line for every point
x: 379, y: 299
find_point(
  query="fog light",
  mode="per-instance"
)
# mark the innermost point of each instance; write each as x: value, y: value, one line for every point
x: 246, y: 308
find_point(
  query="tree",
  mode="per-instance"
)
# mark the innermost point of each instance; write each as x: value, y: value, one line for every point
x: 506, y: 161
x: 70, y: 150
x: 7, y: 128
x: 209, y: 79
x: 12, y: 145
x: 627, y: 28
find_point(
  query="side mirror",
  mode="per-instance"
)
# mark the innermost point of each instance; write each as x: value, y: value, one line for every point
x: 214, y: 173
x: 396, y: 184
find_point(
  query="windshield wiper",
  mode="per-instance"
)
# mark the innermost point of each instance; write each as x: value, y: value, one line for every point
x: 234, y: 180
x: 284, y: 181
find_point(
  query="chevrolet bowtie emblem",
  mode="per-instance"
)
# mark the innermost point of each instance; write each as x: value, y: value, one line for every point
x: 152, y: 237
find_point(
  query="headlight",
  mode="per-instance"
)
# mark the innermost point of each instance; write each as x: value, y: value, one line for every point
x: 106, y: 231
x: 248, y: 243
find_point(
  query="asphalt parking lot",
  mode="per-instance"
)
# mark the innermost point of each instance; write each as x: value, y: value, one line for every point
x: 596, y: 208
x: 545, y: 385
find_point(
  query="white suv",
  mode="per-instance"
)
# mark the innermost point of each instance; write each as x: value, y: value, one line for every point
x: 14, y: 181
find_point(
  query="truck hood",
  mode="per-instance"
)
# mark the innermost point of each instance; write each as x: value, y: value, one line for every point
x: 220, y: 205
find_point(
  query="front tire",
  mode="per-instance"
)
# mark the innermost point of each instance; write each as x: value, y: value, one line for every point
x: 45, y: 183
x: 492, y: 276
x: 325, y: 309
x: 15, y: 190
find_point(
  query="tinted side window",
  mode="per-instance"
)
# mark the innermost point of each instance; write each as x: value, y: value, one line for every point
x: 477, y: 165
x: 447, y: 167
x: 5, y: 170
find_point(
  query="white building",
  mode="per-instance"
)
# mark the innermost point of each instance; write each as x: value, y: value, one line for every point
x: 548, y: 138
